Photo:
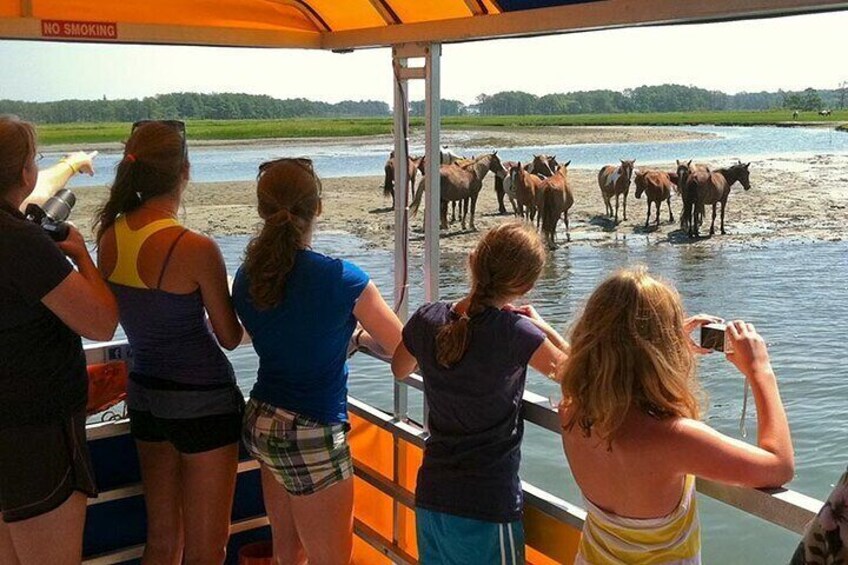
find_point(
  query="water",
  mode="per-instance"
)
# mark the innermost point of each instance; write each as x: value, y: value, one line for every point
x: 793, y: 292
x: 212, y: 164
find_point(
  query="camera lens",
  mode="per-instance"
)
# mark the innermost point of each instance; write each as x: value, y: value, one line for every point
x: 58, y: 207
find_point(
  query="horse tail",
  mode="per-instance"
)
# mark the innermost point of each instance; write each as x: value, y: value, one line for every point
x: 416, y: 200
x: 389, y: 181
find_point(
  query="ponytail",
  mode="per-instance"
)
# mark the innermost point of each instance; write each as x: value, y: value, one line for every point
x: 154, y: 164
x: 505, y: 264
x: 289, y: 195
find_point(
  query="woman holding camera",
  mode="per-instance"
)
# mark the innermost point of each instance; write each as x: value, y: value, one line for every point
x: 184, y: 405
x: 46, y: 305
x: 631, y: 423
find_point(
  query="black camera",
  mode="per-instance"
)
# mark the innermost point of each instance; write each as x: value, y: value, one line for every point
x: 53, y: 215
x: 712, y: 336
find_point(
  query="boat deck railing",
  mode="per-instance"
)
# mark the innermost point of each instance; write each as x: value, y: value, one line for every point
x: 389, y: 475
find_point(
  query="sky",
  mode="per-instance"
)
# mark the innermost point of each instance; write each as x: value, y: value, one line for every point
x: 790, y: 53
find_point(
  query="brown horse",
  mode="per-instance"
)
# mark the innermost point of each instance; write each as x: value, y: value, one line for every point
x: 527, y: 196
x: 657, y: 187
x: 615, y: 181
x: 557, y: 199
x: 704, y: 187
x: 414, y: 164
x: 543, y: 165
x: 460, y: 183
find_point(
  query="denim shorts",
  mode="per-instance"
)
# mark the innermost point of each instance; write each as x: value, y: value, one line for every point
x: 304, y: 455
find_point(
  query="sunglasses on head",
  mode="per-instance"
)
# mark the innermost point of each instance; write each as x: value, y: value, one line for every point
x: 304, y: 162
x: 177, y: 125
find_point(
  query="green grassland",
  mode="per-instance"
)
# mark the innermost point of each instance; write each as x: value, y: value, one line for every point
x: 347, y: 127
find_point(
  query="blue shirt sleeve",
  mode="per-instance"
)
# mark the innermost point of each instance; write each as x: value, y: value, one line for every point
x: 354, y: 281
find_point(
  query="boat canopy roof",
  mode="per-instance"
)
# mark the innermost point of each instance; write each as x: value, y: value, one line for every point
x: 352, y: 24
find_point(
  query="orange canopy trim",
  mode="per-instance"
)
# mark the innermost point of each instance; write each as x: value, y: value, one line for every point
x: 351, y: 24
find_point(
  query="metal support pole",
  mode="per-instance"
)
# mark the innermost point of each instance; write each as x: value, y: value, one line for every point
x: 432, y: 98
x: 401, y: 127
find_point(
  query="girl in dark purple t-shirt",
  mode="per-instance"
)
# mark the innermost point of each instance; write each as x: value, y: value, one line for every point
x: 473, y: 355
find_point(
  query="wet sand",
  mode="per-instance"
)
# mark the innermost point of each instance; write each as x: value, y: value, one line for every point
x: 791, y: 198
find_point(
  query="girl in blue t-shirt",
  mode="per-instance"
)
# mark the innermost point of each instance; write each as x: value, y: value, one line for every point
x: 473, y: 355
x: 301, y: 309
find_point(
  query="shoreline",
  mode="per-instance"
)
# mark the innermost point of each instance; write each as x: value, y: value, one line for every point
x: 792, y: 198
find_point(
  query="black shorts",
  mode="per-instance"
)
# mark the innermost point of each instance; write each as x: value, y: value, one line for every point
x: 41, y: 466
x: 194, y: 418
x: 188, y: 435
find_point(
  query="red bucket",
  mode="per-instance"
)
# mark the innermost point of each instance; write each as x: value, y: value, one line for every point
x: 257, y: 553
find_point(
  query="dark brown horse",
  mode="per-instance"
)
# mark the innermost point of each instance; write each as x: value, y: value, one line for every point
x: 459, y: 183
x: 657, y: 186
x: 705, y: 187
x: 557, y: 199
x: 615, y: 181
x: 414, y: 164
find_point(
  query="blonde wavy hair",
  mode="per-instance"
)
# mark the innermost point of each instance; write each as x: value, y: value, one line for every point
x: 629, y: 350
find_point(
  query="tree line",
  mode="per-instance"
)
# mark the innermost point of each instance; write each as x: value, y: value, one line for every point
x: 192, y: 105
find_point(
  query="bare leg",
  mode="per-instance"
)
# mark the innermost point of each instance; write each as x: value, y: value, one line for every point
x: 287, y: 547
x: 160, y: 474
x: 7, y: 550
x: 54, y: 537
x: 209, y: 482
x: 325, y: 523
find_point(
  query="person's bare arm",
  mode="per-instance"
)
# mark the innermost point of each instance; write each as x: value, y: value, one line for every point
x: 403, y: 363
x: 83, y: 300
x: 710, y: 454
x: 56, y: 177
x: 215, y: 290
x: 547, y: 358
x: 382, y: 327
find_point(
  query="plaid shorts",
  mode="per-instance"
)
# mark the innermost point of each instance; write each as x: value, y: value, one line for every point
x: 304, y: 455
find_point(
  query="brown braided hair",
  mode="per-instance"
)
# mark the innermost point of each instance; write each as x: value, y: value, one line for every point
x: 506, y: 263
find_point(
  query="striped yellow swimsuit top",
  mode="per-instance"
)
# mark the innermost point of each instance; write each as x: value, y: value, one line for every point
x: 129, y: 243
x: 673, y: 539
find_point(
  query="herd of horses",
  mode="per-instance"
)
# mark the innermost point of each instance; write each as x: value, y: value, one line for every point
x: 539, y: 191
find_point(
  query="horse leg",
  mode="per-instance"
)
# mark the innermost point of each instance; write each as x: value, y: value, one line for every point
x: 648, y: 217
x: 723, y: 204
x: 499, y: 189
x: 658, y: 204
x: 567, y: 228
x: 625, y: 206
x: 617, y: 196
x: 670, y: 214
x: 473, y: 211
x: 712, y: 225
x: 444, y: 215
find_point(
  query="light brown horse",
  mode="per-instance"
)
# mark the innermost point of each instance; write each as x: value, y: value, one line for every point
x: 615, y: 181
x: 525, y: 195
x: 657, y: 186
x: 459, y: 183
x: 414, y: 164
x: 705, y: 187
x: 557, y: 199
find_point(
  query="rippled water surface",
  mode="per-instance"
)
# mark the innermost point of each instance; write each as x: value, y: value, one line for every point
x: 794, y: 293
